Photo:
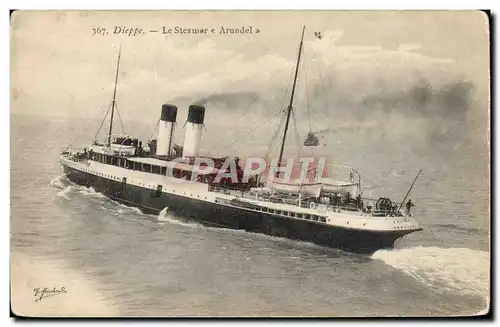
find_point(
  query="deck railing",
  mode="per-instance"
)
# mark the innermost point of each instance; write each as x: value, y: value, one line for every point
x: 320, y: 207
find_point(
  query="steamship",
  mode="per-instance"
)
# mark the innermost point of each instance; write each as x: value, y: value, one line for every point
x: 328, y: 211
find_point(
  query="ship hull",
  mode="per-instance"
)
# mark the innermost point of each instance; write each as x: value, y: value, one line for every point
x: 224, y: 216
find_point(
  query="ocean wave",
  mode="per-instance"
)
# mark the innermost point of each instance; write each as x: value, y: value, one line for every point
x: 456, y: 269
x: 64, y: 193
x: 59, y: 181
x: 165, y: 216
x: 123, y: 208
x: 89, y: 191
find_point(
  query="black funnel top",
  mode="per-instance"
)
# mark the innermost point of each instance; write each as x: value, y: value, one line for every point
x: 168, y: 113
x: 196, y: 114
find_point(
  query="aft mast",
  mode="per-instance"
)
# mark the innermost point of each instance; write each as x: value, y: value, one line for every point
x: 114, y: 98
x: 290, y: 105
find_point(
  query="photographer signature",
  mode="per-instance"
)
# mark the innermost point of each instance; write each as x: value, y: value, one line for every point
x: 42, y: 293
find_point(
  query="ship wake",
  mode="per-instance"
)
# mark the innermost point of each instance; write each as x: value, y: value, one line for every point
x: 66, y: 186
x: 461, y: 270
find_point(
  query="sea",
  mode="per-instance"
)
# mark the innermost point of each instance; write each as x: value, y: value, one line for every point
x: 114, y: 260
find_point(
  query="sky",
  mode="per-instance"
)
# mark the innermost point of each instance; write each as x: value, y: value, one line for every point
x: 418, y: 69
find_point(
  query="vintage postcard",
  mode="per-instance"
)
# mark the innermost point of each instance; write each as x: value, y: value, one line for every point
x: 250, y: 163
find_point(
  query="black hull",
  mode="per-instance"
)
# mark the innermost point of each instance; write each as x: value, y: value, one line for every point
x: 217, y: 215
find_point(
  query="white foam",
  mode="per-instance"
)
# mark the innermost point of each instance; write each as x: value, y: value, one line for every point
x: 58, y: 181
x: 172, y: 220
x: 89, y: 191
x: 126, y: 208
x: 163, y: 214
x: 457, y: 269
x: 64, y: 193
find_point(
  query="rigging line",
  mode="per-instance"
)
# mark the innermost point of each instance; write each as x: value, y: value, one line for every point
x: 83, y: 132
x: 307, y: 92
x: 325, y: 97
x: 308, y: 103
x: 120, y: 118
x: 102, y: 123
x: 275, y: 138
x: 290, y: 82
x: 300, y: 149
x: 251, y: 103
x: 252, y: 130
x: 247, y: 111
x: 272, y: 143
x: 154, y: 130
x: 297, y: 135
x: 174, y: 138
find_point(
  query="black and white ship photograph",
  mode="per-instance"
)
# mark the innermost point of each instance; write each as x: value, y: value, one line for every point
x: 250, y: 164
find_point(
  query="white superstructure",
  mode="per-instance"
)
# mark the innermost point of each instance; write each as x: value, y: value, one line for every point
x: 288, y: 208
